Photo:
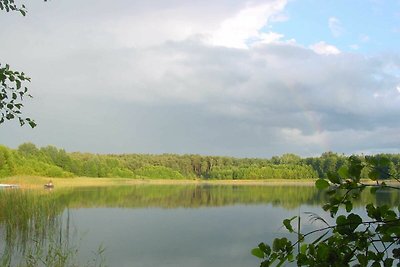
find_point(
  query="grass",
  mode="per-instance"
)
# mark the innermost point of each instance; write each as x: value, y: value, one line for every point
x: 35, y: 182
x: 33, y: 232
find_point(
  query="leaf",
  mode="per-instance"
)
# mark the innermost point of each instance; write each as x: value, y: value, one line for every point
x: 362, y: 259
x: 32, y: 124
x: 374, y: 175
x: 334, y: 178
x: 388, y: 262
x: 396, y: 253
x: 354, y: 220
x: 303, y: 248
x: 321, y: 184
x: 343, y: 172
x: 374, y: 189
x: 341, y: 220
x: 257, y: 252
x: 349, y: 206
x: 287, y: 224
x: 265, y: 248
x: 18, y: 83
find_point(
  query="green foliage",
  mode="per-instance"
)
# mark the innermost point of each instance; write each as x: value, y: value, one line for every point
x: 6, y: 162
x: 52, y: 161
x: 9, y: 5
x: 12, y: 93
x: 28, y: 149
x: 351, y: 241
x: 159, y: 172
x: 12, y: 88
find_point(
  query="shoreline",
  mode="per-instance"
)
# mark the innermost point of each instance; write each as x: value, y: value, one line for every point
x: 33, y: 182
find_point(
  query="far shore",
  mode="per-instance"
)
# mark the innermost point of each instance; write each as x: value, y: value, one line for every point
x: 32, y: 182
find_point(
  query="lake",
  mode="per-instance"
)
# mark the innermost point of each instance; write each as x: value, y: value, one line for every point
x: 154, y: 225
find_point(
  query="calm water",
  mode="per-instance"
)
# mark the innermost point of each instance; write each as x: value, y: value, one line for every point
x: 174, y: 225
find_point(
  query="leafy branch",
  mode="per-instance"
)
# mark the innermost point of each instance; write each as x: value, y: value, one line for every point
x: 352, y: 241
x: 12, y: 93
x: 9, y: 5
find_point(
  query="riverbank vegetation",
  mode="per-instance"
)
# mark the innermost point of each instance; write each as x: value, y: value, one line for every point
x: 50, y: 161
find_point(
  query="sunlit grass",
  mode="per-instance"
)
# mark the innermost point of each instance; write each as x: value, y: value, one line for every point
x: 35, y: 182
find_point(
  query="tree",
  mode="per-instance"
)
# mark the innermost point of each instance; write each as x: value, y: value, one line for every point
x: 352, y: 240
x: 12, y: 90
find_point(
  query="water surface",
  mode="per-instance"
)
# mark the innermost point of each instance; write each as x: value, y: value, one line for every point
x: 175, y: 225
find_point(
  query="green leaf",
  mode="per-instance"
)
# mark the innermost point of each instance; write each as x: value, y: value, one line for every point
x: 321, y: 184
x: 334, y: 178
x: 343, y: 172
x: 374, y: 175
x: 303, y: 248
x: 396, y: 253
x: 374, y: 189
x: 388, y: 262
x: 265, y: 248
x: 341, y: 220
x: 349, y: 206
x: 287, y: 224
x: 32, y: 124
x: 18, y: 83
x: 362, y: 259
x: 257, y: 252
x: 354, y: 220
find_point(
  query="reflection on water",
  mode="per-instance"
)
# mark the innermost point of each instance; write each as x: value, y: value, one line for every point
x: 188, y: 196
x: 149, y: 225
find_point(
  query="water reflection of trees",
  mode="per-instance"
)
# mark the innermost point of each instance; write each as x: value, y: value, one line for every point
x: 193, y: 196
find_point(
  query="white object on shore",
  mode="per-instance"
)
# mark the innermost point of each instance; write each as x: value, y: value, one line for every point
x: 9, y: 186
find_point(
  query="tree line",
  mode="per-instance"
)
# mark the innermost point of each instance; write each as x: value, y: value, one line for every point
x: 50, y: 161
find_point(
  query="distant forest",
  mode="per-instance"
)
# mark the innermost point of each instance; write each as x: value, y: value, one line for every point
x: 51, y: 161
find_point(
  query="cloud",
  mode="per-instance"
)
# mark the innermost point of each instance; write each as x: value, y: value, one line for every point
x: 188, y: 96
x: 236, y: 31
x: 146, y: 79
x: 335, y: 26
x: 323, y: 48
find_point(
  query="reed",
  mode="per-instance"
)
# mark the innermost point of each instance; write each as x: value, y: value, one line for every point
x: 34, y: 232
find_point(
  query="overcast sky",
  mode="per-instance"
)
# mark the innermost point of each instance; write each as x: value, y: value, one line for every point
x: 221, y: 77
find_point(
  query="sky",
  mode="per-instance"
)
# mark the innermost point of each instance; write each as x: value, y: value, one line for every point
x: 222, y: 77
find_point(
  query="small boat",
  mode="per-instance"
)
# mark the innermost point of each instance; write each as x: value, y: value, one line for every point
x: 49, y: 185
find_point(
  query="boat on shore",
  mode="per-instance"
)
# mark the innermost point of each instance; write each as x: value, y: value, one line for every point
x: 9, y: 186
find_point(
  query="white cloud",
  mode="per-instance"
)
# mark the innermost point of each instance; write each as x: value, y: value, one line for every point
x: 247, y: 24
x: 335, y: 26
x: 280, y: 17
x: 323, y: 48
x: 268, y: 38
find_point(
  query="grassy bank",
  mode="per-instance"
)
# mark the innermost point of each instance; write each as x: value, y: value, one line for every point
x: 38, y: 181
